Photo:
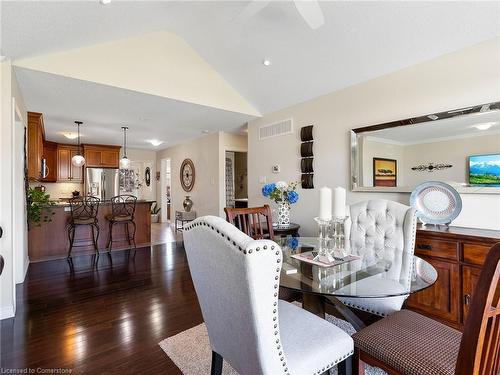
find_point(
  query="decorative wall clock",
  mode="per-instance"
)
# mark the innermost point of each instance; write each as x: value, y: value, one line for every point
x: 187, y: 174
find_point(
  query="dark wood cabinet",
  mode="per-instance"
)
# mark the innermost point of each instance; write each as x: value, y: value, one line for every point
x: 101, y: 156
x: 457, y: 254
x: 35, y: 145
x: 66, y: 171
x: 50, y: 156
x: 442, y: 299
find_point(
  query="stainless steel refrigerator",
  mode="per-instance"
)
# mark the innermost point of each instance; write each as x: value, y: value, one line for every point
x: 103, y: 183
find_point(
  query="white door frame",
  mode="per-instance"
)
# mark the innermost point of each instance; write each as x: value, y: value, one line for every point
x: 222, y: 181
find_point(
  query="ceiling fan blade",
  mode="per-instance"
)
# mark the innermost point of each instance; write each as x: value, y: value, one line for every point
x: 251, y: 9
x: 311, y: 13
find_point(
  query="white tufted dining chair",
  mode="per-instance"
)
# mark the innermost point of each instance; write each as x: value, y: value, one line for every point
x: 236, y: 280
x: 384, y: 229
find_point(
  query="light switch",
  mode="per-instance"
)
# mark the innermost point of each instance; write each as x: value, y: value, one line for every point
x: 262, y: 179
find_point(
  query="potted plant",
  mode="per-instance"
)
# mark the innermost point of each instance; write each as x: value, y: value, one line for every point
x: 37, y: 201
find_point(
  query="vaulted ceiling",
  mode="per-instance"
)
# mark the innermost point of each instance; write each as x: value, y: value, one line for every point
x: 359, y: 41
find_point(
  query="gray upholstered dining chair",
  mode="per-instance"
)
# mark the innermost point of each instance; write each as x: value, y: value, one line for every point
x: 236, y: 279
x: 382, y: 228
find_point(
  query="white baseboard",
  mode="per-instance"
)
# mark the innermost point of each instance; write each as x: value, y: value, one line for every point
x: 26, y: 265
x: 6, y: 312
x: 25, y: 271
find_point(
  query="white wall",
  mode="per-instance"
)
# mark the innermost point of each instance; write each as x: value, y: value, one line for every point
x: 468, y: 77
x: 204, y: 152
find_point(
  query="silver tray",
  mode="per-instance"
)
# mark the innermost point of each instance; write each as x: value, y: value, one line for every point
x: 436, y: 202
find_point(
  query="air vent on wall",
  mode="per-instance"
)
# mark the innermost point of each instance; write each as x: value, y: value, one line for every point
x: 278, y: 128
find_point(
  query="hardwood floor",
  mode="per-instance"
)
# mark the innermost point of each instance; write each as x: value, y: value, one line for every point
x: 102, y: 320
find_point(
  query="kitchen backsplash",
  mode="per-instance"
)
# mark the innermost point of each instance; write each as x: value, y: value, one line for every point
x: 60, y: 189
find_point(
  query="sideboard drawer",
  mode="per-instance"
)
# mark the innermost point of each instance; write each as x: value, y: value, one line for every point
x: 475, y: 254
x: 437, y: 248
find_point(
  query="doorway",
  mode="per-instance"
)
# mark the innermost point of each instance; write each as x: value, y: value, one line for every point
x: 236, y: 179
x: 166, y: 190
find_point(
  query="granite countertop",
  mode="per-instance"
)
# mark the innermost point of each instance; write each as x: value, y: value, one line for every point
x: 65, y: 202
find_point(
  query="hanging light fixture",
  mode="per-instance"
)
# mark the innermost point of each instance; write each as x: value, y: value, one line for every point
x: 124, y: 161
x: 78, y: 160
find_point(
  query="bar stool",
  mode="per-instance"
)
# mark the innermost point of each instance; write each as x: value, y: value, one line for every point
x: 122, y: 212
x: 83, y: 212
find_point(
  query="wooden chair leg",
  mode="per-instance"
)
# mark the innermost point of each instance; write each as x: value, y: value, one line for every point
x: 345, y: 367
x: 358, y: 365
x: 216, y: 368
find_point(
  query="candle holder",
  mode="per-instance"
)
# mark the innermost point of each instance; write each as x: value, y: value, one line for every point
x: 324, y: 250
x: 337, y: 234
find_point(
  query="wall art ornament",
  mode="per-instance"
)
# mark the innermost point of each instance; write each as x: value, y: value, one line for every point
x: 431, y: 167
x: 307, y: 155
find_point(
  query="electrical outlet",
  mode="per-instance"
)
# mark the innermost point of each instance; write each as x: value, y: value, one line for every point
x: 276, y: 168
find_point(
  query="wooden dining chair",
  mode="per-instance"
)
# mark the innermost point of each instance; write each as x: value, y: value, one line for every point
x: 409, y: 343
x: 255, y: 222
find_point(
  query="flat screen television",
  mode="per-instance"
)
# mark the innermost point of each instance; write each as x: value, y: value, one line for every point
x: 484, y: 170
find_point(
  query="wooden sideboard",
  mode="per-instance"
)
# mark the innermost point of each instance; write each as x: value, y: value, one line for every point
x: 458, y: 255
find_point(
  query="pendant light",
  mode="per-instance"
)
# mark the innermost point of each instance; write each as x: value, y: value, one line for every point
x: 124, y: 161
x: 78, y: 160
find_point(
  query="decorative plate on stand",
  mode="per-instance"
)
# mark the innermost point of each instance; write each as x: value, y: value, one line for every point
x: 436, y: 202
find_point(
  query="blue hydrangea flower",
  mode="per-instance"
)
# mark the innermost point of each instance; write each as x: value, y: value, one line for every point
x: 293, y: 197
x: 292, y: 242
x: 268, y: 189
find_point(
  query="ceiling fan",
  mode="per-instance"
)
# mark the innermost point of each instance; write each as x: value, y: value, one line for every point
x: 309, y: 10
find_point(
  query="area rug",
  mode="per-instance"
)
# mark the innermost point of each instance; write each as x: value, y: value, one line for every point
x: 191, y: 353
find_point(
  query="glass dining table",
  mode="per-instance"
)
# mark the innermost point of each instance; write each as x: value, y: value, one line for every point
x: 372, y: 272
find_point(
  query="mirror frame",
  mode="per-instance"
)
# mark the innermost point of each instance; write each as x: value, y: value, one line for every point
x: 487, y: 107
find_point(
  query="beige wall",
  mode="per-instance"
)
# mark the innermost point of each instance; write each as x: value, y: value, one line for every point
x: 159, y: 63
x: 467, y: 77
x: 142, y: 159
x: 457, y: 151
x: 374, y: 149
x: 204, y: 152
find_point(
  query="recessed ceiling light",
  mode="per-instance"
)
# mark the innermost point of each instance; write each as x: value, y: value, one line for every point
x: 105, y: 2
x: 484, y: 125
x: 70, y: 135
x: 155, y: 142
x: 266, y: 62
x: 205, y: 131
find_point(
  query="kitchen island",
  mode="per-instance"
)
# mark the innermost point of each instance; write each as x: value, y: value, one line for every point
x: 50, y: 239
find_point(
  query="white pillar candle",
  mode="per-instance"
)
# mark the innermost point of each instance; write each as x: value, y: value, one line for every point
x: 325, y: 203
x: 339, y: 194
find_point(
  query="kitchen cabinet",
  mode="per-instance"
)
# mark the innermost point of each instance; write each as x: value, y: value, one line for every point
x: 35, y: 145
x: 458, y: 255
x: 50, y: 156
x: 101, y: 156
x: 66, y: 171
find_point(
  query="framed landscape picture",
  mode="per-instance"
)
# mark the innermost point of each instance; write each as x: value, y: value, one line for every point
x: 484, y: 170
x: 385, y: 172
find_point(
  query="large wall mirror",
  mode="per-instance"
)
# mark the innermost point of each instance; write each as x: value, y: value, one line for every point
x: 460, y: 147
